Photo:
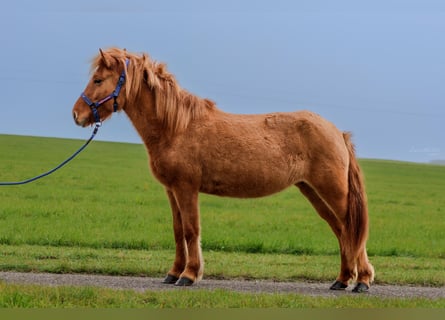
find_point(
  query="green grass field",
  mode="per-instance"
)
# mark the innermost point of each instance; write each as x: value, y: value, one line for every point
x: 105, y: 213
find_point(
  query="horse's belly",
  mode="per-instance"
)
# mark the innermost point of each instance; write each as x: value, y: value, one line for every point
x: 239, y: 191
x: 251, y: 183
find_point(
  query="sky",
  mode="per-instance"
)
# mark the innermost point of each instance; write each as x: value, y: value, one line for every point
x: 375, y: 68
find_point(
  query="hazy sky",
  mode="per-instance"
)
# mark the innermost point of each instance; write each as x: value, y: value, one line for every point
x: 376, y: 68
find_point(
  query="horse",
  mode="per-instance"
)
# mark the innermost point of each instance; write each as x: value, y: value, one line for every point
x: 195, y: 147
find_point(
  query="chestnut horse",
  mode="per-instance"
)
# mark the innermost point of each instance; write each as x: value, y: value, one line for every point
x: 195, y: 147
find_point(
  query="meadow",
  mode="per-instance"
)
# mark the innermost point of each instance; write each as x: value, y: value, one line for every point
x: 105, y: 213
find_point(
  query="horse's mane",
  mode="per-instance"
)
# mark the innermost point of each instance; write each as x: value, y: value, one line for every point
x: 175, y: 107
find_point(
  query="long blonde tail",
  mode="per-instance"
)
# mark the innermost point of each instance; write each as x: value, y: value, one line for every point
x: 357, y: 220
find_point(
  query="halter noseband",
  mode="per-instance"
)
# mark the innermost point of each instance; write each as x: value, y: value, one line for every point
x: 113, y: 95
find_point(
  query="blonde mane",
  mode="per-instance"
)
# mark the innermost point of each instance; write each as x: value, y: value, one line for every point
x: 174, y: 106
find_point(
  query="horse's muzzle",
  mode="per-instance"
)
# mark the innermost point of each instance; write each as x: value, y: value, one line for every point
x: 79, y: 122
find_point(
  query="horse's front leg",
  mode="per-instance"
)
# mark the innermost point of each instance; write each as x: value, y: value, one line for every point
x: 187, y: 201
x: 181, y: 249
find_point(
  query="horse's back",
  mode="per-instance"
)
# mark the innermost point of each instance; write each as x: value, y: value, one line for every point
x: 302, y: 133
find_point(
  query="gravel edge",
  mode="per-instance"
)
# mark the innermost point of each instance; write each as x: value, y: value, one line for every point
x: 142, y: 284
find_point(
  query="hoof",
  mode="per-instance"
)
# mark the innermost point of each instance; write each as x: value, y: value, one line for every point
x: 360, y: 287
x: 184, y: 282
x: 338, y: 285
x: 169, y: 279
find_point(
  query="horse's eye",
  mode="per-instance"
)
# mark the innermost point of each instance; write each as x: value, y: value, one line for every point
x: 97, y: 81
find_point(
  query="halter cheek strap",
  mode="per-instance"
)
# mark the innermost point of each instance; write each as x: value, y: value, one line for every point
x: 113, y: 95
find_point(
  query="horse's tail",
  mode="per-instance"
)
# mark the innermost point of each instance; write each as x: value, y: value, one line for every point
x: 357, y: 216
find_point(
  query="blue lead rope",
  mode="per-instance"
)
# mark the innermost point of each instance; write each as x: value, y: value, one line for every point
x: 96, y: 128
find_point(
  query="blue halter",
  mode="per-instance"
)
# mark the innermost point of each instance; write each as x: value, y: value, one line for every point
x: 113, y: 95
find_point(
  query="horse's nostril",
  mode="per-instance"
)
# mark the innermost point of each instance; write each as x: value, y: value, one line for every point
x: 75, y: 115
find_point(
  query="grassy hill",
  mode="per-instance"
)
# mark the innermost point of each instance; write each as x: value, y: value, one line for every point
x: 106, y: 199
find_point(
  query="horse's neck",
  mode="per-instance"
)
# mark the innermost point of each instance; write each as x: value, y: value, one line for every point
x: 142, y: 114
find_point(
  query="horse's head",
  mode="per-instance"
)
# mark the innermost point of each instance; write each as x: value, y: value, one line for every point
x: 102, y: 94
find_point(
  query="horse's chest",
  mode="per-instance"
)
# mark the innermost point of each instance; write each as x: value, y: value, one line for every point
x: 163, y: 171
x: 172, y: 168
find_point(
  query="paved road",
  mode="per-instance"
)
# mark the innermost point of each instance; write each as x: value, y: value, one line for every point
x: 143, y: 283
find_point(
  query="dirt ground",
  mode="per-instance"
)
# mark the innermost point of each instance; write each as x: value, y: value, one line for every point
x: 144, y: 283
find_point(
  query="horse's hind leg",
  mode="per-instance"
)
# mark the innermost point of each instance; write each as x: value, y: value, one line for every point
x: 348, y: 264
x: 365, y: 272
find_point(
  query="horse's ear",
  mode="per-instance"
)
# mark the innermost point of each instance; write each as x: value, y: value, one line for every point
x: 144, y: 59
x: 105, y: 58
